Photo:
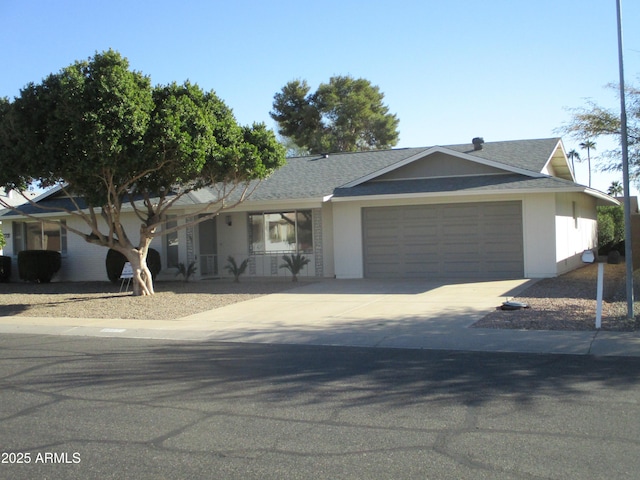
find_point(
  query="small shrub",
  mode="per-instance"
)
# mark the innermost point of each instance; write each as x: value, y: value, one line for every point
x: 294, y: 264
x: 115, y: 263
x: 610, y: 227
x: 187, y: 272
x: 38, y: 265
x: 5, y: 269
x: 605, y: 230
x: 235, y: 269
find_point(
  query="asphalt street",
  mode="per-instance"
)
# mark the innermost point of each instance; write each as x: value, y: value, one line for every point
x: 101, y: 408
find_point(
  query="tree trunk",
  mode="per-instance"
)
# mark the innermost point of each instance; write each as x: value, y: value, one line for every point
x: 142, y: 279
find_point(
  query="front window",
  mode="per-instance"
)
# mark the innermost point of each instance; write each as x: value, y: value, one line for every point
x: 172, y: 242
x: 39, y: 236
x: 281, y: 232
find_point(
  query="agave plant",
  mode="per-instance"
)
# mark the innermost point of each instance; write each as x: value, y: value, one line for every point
x: 294, y: 264
x: 236, y: 270
x: 186, y: 272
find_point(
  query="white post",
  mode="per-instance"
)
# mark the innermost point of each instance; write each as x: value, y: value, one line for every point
x: 599, y: 296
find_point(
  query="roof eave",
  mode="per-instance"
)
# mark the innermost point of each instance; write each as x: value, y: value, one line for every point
x: 603, y: 198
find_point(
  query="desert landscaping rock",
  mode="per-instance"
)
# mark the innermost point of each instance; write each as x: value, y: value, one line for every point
x: 568, y: 302
x: 172, y: 300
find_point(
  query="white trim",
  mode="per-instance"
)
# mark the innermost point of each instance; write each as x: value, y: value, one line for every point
x: 560, y: 146
x: 465, y: 193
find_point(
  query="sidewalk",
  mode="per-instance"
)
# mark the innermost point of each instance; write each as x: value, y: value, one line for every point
x: 365, y: 313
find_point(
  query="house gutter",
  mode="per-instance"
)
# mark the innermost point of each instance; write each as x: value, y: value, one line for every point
x: 603, y: 198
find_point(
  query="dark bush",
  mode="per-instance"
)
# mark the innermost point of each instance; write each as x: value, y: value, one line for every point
x: 38, y: 265
x: 115, y: 263
x: 154, y: 263
x: 5, y: 269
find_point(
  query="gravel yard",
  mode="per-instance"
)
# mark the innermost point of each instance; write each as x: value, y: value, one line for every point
x: 102, y: 299
x: 562, y: 303
x: 568, y: 302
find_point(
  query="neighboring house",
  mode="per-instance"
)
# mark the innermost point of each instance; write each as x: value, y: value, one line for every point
x: 472, y: 211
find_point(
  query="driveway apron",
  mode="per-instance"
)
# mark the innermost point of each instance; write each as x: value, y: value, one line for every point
x: 402, y: 313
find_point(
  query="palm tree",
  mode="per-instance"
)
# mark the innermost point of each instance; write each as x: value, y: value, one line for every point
x: 573, y: 155
x: 589, y: 145
x: 615, y: 189
x: 294, y: 264
x: 236, y: 270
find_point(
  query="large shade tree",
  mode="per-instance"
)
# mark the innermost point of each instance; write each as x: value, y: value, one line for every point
x: 112, y: 142
x: 593, y: 121
x: 344, y: 115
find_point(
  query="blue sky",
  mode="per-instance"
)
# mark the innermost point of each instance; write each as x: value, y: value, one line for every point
x: 451, y: 71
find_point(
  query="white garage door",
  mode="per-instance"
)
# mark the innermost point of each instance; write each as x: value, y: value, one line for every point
x: 467, y: 240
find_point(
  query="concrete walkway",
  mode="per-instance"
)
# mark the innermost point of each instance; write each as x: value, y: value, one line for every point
x: 366, y: 313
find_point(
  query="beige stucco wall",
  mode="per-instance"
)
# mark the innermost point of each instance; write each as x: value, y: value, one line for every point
x: 538, y: 213
x: 83, y: 261
x: 552, y: 243
x: 576, y: 228
x: 347, y: 237
x: 328, y: 250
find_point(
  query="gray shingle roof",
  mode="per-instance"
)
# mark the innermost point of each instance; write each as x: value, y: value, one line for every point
x: 469, y: 185
x: 527, y: 154
x: 316, y: 176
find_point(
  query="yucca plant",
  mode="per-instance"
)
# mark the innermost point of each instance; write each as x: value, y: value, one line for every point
x: 236, y: 270
x: 294, y: 264
x: 186, y: 272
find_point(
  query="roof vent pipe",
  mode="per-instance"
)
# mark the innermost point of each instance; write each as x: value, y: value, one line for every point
x: 477, y: 143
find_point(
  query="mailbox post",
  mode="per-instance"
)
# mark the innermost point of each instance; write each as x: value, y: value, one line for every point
x: 589, y: 257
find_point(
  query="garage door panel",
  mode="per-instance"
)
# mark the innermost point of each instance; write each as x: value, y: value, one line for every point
x: 457, y: 240
x: 455, y: 231
x: 460, y: 269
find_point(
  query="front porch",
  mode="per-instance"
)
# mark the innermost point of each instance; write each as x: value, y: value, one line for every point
x: 212, y: 265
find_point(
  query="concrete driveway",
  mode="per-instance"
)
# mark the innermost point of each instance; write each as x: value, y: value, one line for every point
x: 377, y: 313
x: 366, y: 313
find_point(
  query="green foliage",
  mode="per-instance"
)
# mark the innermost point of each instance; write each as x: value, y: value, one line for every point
x: 3, y: 242
x: 294, y: 263
x: 344, y: 115
x: 593, y: 121
x: 97, y: 124
x: 610, y: 226
x: 605, y: 230
x: 187, y: 272
x: 101, y: 132
x: 236, y: 270
x: 615, y: 189
x: 38, y: 266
